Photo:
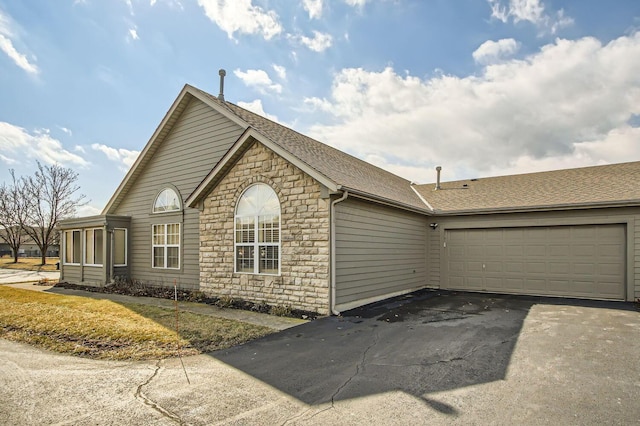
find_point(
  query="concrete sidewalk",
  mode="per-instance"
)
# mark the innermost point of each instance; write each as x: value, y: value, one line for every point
x: 12, y: 276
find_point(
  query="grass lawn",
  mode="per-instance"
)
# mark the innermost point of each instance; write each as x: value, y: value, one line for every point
x: 29, y: 263
x: 104, y: 329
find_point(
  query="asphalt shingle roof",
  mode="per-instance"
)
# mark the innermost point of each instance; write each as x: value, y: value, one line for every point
x: 598, y: 185
x: 343, y: 169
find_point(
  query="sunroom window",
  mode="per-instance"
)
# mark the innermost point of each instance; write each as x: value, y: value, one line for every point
x: 72, y: 247
x: 257, y: 231
x: 93, y: 247
x: 120, y: 247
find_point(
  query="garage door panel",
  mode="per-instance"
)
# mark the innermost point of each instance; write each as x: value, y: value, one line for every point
x: 587, y: 261
x: 584, y: 269
x: 493, y: 250
x: 536, y: 268
x: 608, y: 269
x: 558, y: 250
x: 585, y: 250
x: 491, y: 267
x: 535, y: 250
x: 514, y: 267
x: 559, y: 268
x: 536, y: 285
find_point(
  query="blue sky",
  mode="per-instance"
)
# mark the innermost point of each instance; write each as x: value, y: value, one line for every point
x: 480, y: 87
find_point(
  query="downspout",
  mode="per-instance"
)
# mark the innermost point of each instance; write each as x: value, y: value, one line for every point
x: 332, y: 296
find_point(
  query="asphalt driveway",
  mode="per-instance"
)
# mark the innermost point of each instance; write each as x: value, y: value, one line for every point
x: 430, y: 358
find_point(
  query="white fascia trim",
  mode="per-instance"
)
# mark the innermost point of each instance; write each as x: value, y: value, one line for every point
x: 249, y: 134
x: 146, y: 149
x: 422, y: 198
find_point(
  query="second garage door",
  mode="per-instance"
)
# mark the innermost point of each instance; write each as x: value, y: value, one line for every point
x: 585, y: 261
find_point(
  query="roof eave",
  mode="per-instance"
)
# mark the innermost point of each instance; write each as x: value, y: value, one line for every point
x: 187, y: 93
x: 113, y: 201
x: 550, y: 207
x: 386, y: 201
x: 249, y: 136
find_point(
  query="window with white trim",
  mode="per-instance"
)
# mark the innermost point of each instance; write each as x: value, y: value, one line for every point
x: 166, y: 201
x: 72, y: 247
x: 93, y: 253
x: 257, y: 231
x: 166, y: 246
x: 119, y: 247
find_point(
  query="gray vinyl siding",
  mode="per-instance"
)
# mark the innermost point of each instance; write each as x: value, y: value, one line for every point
x: 380, y: 252
x: 629, y: 217
x: 199, y: 138
x: 94, y: 275
x: 70, y: 273
x: 433, y: 275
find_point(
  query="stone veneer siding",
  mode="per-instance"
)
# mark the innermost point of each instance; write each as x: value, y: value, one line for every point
x: 303, y: 282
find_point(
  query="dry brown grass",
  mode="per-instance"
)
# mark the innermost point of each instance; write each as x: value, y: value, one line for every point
x: 29, y: 263
x: 104, y: 329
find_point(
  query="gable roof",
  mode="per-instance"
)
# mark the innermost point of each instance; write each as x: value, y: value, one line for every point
x: 597, y: 186
x: 186, y: 95
x: 333, y: 168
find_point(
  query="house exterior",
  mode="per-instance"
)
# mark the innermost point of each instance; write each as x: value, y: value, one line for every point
x: 230, y: 203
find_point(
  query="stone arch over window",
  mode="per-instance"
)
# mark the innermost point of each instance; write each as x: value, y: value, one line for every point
x: 167, y: 200
x: 257, y: 231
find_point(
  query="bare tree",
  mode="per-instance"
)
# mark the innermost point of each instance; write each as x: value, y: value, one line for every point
x: 50, y: 196
x: 12, y: 210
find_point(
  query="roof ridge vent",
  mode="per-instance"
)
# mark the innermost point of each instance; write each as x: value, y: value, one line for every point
x: 221, y: 73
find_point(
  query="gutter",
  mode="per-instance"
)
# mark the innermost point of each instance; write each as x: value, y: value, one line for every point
x: 550, y: 207
x: 387, y: 202
x: 332, y: 290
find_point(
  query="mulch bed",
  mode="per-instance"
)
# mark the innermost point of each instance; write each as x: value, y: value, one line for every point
x: 136, y: 288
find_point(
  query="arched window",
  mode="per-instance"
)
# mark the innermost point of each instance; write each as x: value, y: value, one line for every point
x: 257, y: 231
x: 167, y: 201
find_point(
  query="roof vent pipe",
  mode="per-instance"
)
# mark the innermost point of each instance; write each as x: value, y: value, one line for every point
x: 222, y: 73
x: 438, y: 169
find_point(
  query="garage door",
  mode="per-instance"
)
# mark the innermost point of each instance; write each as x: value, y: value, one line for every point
x: 586, y: 261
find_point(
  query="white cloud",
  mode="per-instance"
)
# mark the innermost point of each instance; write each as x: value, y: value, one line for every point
x: 281, y: 71
x: 356, y: 3
x: 242, y: 16
x: 313, y: 7
x: 493, y: 51
x: 319, y: 42
x: 65, y: 130
x: 124, y: 157
x: 133, y: 34
x: 17, y: 143
x: 7, y: 160
x: 88, y: 210
x: 569, y: 104
x: 531, y: 11
x: 7, y: 39
x: 256, y: 106
x: 258, y: 79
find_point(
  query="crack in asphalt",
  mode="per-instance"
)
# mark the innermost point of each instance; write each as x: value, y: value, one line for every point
x: 359, y: 368
x: 139, y: 395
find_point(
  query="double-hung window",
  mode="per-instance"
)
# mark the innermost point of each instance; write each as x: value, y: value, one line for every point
x: 165, y: 237
x: 257, y: 231
x: 166, y: 245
